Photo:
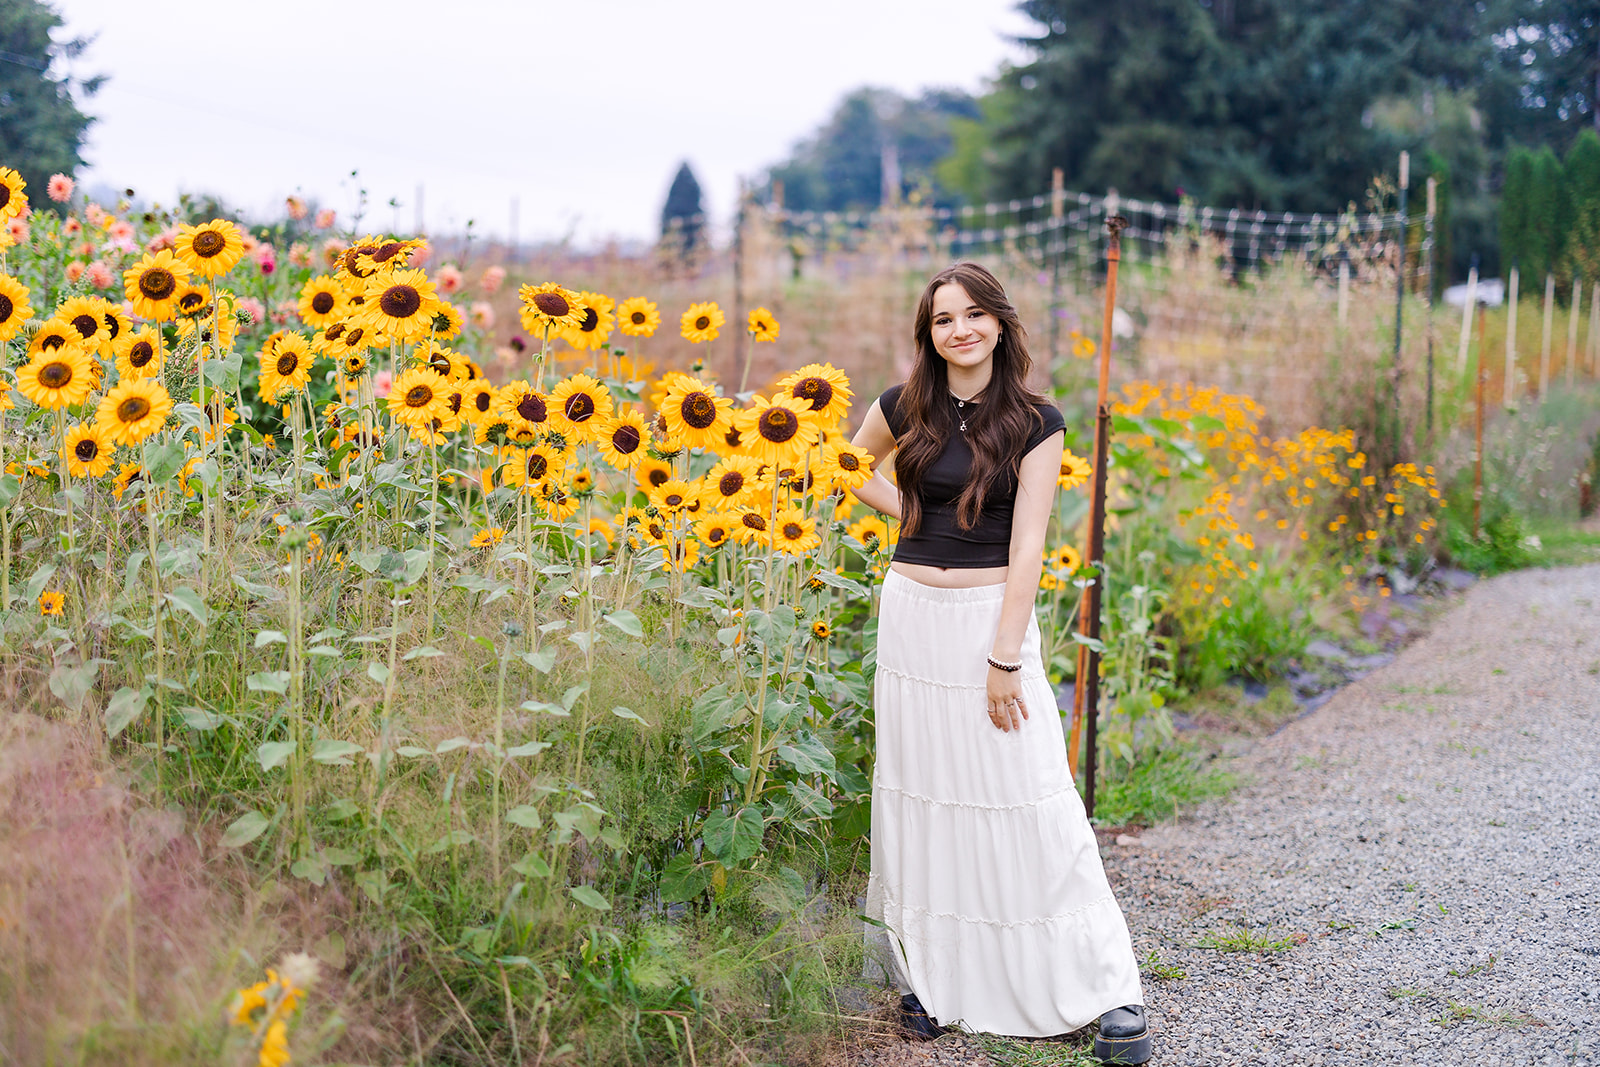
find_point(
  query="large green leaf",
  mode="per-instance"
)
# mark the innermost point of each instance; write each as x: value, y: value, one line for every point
x: 734, y: 838
x: 245, y: 829
x: 684, y: 879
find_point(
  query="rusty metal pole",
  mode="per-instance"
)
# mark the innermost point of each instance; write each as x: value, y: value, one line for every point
x: 1086, y: 694
x: 1477, y: 454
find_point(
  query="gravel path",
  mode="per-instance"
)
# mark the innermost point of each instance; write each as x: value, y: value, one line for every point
x: 1422, y: 853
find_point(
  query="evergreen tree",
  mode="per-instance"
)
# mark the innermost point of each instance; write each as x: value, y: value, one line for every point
x: 1514, y: 209
x: 1544, y: 235
x: 41, y: 128
x: 1583, y: 197
x: 683, y: 217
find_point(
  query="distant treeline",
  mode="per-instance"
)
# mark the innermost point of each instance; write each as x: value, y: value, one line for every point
x: 1282, y: 105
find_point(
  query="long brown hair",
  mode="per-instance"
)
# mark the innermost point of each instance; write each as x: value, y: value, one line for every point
x: 999, y: 427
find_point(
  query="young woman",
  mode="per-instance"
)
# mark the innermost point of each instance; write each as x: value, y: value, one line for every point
x: 985, y: 873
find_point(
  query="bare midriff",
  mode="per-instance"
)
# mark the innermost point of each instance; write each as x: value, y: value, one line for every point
x: 951, y: 577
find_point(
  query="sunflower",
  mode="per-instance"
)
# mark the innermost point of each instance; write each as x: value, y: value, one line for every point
x: 581, y: 406
x: 87, y: 315
x: 322, y: 301
x: 753, y: 527
x: 519, y: 400
x: 191, y: 301
x: 672, y: 496
x: 380, y: 256
x: 651, y: 472
x: 447, y: 361
x: 700, y: 322
x: 350, y: 265
x: 623, y: 440
x: 286, y: 361
x: 488, y: 538
x: 734, y: 481
x: 400, y: 303
x: 776, y: 431
x: 558, y: 501
x: 844, y: 466
x: 343, y: 339
x: 53, y: 334
x: 549, y: 307
x: 763, y: 326
x: 210, y: 249
x: 219, y: 416
x: 13, y: 201
x: 151, y: 284
x: 138, y: 356
x: 638, y: 317
x: 130, y: 473
x: 822, y: 387
x: 821, y: 630
x: 716, y: 529
x: 1075, y: 470
x: 52, y: 602
x: 58, y: 378
x: 873, y: 533
x: 418, y: 397
x: 117, y: 328
x: 696, y: 415
x: 792, y: 533
x: 354, y: 364
x: 682, y: 554
x: 594, y: 326
x: 1064, y: 558
x: 534, y: 466
x: 478, y: 401
x: 134, y: 410
x: 88, y: 450
x: 447, y: 321
x: 14, y: 307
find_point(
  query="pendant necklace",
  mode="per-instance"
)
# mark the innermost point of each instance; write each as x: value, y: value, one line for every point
x: 961, y: 405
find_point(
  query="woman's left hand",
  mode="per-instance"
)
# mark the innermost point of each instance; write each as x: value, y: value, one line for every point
x: 1007, y: 709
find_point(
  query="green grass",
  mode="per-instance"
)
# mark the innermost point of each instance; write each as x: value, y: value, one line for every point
x: 1043, y: 1052
x: 1160, y: 787
x: 1565, y: 544
x: 1241, y: 940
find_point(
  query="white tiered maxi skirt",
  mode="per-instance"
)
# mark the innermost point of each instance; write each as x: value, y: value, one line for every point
x: 985, y: 870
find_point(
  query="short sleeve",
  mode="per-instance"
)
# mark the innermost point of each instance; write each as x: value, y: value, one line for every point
x: 1052, y: 423
x: 889, y: 404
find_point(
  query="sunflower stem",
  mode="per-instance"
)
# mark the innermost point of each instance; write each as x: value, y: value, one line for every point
x: 149, y: 495
x: 749, y: 357
x: 433, y: 528
x: 297, y: 684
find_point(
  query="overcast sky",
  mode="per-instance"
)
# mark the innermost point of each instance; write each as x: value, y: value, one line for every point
x: 582, y: 111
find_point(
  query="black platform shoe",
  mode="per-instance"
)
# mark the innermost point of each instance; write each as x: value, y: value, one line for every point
x: 1124, y: 1036
x: 914, y: 1019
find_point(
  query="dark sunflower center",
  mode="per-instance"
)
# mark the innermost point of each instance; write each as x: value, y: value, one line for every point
x: 730, y: 484
x: 848, y: 461
x: 659, y: 478
x: 191, y: 302
x: 538, y: 466
x: 400, y: 301
x: 778, y: 425
x: 441, y: 363
x: 732, y: 437
x: 355, y: 336
x: 716, y: 535
x: 638, y: 318
x: 674, y: 499
x: 698, y: 410
x: 753, y: 521
x: 553, y: 304
x: 387, y: 251
x: 51, y: 341
x: 703, y: 322
x: 113, y: 327
x: 354, y: 364
x: 5, y: 194
x: 817, y: 390
x: 579, y: 407
x: 455, y: 403
x: 591, y: 319
x: 157, y: 283
x: 656, y: 530
x: 86, y: 450
x: 419, y: 396
x: 287, y: 364
x: 55, y: 375
x: 483, y: 401
x: 533, y: 408
x: 322, y: 303
x: 86, y: 324
x: 208, y: 243
x: 6, y: 306
x: 133, y: 409
x: 626, y: 439
x: 332, y: 332
x: 141, y: 354
x: 793, y: 531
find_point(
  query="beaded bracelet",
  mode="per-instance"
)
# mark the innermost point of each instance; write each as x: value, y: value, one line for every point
x: 1009, y: 668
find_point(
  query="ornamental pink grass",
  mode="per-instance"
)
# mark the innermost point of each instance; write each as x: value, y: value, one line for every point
x: 59, y: 188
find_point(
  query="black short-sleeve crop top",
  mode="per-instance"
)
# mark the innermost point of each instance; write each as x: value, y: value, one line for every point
x: 940, y: 541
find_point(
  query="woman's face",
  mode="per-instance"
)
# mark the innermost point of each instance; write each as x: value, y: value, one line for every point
x: 963, y: 333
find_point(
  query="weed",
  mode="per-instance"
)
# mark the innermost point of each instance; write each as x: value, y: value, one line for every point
x: 1406, y: 992
x: 1076, y: 1051
x: 1477, y: 968
x: 1159, y: 787
x: 1395, y: 924
x: 1456, y: 1011
x: 1241, y: 940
